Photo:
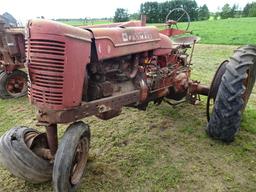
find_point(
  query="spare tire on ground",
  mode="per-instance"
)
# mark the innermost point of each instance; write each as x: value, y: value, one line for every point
x: 20, y: 160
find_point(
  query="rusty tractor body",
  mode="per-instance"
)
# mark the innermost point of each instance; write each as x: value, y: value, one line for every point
x: 79, y: 72
x: 13, y: 81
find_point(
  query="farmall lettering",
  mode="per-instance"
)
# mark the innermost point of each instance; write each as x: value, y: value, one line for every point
x: 136, y: 36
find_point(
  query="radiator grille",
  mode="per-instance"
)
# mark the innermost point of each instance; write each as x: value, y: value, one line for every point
x: 46, y: 66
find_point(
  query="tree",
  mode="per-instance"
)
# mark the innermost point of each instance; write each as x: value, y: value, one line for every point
x: 121, y: 15
x: 156, y: 12
x: 134, y: 16
x: 203, y: 13
x: 226, y: 11
x: 234, y: 11
x: 191, y: 7
x: 247, y: 9
x: 250, y: 10
x: 151, y: 10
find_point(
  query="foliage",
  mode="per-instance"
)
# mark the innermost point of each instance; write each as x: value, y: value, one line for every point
x: 226, y: 11
x: 250, y: 10
x: 121, y: 15
x: 230, y: 12
x: 156, y: 12
x: 203, y: 13
x: 134, y: 16
x: 151, y: 10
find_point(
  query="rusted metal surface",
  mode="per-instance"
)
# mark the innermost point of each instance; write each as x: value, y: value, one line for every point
x: 88, y: 108
x: 37, y: 142
x: 116, y: 42
x: 15, y: 85
x: 172, y: 32
x: 57, y: 58
x: 196, y: 88
x: 52, y: 138
x: 12, y: 48
x: 97, y: 71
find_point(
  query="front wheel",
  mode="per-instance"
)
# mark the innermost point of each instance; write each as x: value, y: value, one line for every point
x: 233, y: 94
x: 71, y: 158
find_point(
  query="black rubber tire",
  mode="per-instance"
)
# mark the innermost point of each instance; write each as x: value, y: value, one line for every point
x: 65, y: 156
x: 233, y: 95
x: 4, y: 78
x: 20, y: 160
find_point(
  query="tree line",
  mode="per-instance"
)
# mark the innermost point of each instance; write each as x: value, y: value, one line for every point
x: 156, y: 11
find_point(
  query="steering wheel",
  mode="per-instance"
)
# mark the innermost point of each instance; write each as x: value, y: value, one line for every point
x: 175, y: 22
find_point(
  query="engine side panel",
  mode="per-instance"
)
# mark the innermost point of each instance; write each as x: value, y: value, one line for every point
x: 116, y: 42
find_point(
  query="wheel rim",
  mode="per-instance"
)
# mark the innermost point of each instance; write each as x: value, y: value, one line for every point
x: 248, y: 83
x: 79, y: 162
x: 16, y: 85
x: 29, y: 138
x: 214, y: 89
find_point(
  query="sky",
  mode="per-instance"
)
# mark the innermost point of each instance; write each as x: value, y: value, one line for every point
x: 23, y: 10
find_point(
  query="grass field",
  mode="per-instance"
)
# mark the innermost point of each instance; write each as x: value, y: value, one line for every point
x: 162, y: 149
x: 238, y: 31
x: 83, y: 22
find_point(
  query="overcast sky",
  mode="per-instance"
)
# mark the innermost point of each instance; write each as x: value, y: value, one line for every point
x: 50, y: 9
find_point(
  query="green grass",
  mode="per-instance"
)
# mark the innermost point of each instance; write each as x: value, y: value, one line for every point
x: 161, y: 149
x: 238, y: 31
x: 81, y: 22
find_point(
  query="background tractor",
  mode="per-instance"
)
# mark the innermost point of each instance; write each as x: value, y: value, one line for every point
x: 13, y: 81
x: 79, y: 72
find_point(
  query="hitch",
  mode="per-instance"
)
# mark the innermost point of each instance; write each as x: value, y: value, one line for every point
x: 196, y: 89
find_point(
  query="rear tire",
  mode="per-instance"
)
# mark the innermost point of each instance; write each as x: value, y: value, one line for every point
x: 20, y: 160
x: 71, y: 158
x: 233, y: 94
x: 13, y: 85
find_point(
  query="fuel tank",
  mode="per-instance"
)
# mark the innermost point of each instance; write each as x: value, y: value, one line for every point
x: 165, y: 46
x: 57, y: 55
x: 119, y: 41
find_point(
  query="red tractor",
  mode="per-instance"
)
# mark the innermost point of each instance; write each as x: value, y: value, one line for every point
x: 79, y: 72
x: 13, y: 81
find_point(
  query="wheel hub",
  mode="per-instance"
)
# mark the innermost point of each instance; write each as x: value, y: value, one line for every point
x: 15, y: 85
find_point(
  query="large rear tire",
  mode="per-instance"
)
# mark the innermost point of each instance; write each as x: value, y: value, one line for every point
x: 13, y: 85
x: 233, y: 94
x: 20, y: 160
x: 71, y: 158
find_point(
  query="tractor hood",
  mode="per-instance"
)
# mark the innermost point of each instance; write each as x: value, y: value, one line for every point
x: 42, y: 26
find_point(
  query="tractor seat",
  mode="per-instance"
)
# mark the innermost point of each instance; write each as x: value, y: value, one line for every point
x: 186, y: 39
